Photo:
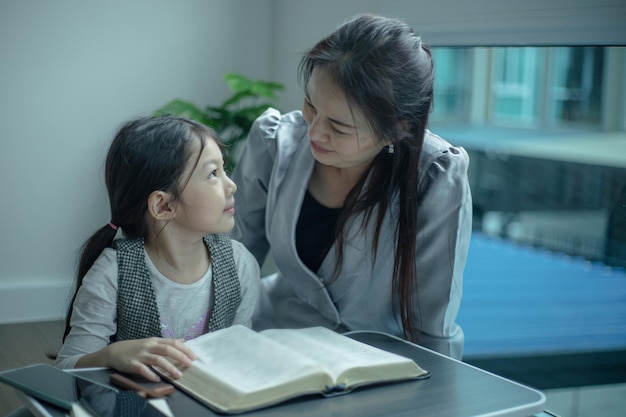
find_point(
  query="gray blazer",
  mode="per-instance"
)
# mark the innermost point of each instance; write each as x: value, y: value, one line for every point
x: 272, y: 175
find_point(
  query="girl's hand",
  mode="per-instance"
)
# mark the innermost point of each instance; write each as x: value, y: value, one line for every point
x: 136, y: 356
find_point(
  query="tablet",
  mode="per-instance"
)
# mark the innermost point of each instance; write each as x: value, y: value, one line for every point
x: 70, y: 392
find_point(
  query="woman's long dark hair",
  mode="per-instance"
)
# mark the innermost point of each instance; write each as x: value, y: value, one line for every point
x: 147, y: 154
x: 386, y: 72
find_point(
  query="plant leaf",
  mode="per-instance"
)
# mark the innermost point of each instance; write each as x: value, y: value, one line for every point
x: 186, y: 109
x: 234, y: 117
x: 243, y: 85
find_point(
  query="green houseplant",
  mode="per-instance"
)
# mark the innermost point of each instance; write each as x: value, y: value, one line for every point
x: 233, y: 118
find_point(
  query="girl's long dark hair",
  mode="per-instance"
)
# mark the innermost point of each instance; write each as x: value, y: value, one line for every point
x: 387, y: 73
x: 147, y: 154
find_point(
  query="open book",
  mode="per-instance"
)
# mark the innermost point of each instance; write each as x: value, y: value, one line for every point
x: 239, y: 369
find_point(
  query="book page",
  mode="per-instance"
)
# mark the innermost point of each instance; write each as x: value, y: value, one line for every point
x: 247, y: 359
x: 238, y: 369
x: 350, y: 362
x: 79, y: 411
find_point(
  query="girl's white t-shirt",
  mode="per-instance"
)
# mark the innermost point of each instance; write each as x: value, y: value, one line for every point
x: 183, y: 308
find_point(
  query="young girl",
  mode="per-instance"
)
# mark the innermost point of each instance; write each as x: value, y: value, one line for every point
x: 175, y: 274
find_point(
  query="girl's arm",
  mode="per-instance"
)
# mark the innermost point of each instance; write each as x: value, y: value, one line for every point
x: 94, y: 314
x: 250, y: 280
x: 93, y: 324
x: 136, y: 356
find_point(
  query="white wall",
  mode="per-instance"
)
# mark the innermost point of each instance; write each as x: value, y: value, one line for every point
x: 71, y: 71
x: 300, y: 23
x: 514, y: 22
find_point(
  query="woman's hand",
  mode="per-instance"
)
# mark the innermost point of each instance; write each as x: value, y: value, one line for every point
x: 136, y: 356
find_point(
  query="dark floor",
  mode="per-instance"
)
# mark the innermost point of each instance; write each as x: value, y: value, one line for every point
x: 523, y: 301
x: 542, y: 318
x: 24, y: 344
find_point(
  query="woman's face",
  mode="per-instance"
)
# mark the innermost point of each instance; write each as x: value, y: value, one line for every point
x: 339, y: 137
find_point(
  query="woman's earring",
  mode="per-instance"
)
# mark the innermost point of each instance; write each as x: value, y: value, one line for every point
x: 390, y: 148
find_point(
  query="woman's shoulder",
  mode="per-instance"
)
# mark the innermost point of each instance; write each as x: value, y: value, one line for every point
x: 272, y: 117
x: 438, y: 150
x: 440, y: 160
x: 274, y: 125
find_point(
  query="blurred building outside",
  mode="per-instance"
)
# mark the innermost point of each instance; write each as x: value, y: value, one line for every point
x: 546, y: 132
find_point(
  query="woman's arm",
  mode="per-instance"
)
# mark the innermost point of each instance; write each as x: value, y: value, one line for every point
x: 252, y: 175
x: 444, y: 232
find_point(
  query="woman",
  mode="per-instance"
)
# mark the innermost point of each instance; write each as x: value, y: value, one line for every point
x: 366, y: 212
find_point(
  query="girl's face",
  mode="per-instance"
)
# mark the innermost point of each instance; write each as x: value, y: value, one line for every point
x: 339, y: 137
x: 207, y: 204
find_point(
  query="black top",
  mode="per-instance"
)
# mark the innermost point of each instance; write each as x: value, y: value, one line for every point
x: 315, y: 232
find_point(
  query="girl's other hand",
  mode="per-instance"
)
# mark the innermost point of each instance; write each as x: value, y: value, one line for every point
x: 136, y: 356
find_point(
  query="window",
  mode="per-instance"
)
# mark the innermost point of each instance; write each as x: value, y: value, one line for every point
x: 515, y: 85
x: 453, y: 82
x: 545, y: 130
x: 536, y: 87
x: 575, y: 93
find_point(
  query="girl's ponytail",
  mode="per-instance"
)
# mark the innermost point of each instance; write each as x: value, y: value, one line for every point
x: 89, y: 252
